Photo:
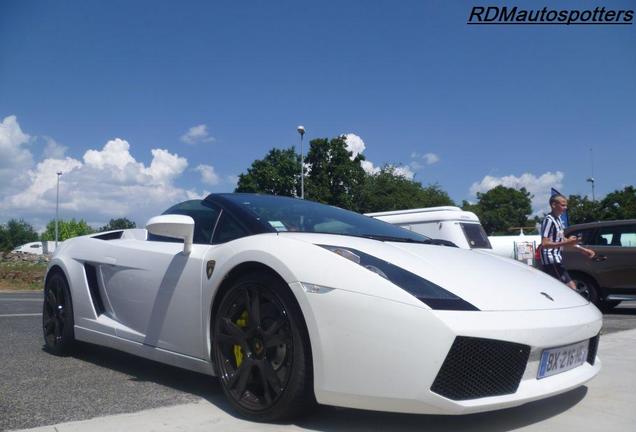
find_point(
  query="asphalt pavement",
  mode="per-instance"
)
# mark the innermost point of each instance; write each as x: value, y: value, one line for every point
x: 122, y: 392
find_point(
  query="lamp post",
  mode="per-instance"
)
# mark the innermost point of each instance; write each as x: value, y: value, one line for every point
x: 301, y: 131
x: 591, y: 180
x: 57, y: 206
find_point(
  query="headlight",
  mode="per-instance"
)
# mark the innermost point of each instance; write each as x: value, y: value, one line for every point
x: 433, y: 295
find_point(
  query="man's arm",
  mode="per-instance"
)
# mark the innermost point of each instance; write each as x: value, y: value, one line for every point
x: 585, y: 251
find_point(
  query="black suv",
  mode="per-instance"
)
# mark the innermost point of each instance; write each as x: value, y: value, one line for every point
x: 610, y: 277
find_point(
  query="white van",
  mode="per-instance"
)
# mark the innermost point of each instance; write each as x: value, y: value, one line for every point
x: 447, y: 223
x: 36, y: 248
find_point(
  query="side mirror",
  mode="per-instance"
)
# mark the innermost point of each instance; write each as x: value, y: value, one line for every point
x: 175, y: 226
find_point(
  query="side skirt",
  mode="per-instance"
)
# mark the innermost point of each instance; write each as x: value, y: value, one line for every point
x: 145, y: 351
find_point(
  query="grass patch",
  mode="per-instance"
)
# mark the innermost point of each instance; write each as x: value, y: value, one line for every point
x: 22, y: 276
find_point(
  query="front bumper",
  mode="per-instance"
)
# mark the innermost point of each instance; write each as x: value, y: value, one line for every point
x: 371, y: 353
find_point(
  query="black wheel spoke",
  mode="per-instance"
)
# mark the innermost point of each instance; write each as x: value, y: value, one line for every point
x: 48, y: 325
x: 253, y: 308
x: 243, y: 373
x: 271, y: 377
x: 51, y: 301
x: 225, y: 339
x: 235, y: 334
x: 266, y: 387
x: 273, y: 329
x: 58, y: 329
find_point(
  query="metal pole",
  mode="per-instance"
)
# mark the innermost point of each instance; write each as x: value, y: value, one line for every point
x: 591, y: 180
x: 301, y: 131
x: 57, y: 206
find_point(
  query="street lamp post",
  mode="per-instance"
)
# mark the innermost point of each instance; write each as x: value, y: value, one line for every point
x: 57, y: 206
x: 591, y: 180
x: 301, y: 131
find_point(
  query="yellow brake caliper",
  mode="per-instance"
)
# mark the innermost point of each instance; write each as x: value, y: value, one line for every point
x: 238, y: 351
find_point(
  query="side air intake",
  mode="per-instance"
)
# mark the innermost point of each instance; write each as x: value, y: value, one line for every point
x: 476, y: 368
x: 91, y: 278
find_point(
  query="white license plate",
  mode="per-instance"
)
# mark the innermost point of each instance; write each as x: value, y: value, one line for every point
x: 561, y: 359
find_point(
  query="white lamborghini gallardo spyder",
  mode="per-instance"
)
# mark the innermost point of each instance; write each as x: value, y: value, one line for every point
x: 290, y: 302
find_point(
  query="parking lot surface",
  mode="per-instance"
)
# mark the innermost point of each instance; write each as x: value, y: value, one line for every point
x: 122, y: 392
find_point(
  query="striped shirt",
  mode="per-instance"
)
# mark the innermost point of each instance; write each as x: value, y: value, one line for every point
x: 552, y: 229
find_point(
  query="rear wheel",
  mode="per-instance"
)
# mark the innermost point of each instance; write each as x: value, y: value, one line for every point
x: 57, y: 315
x: 608, y: 305
x: 587, y: 288
x: 260, y: 349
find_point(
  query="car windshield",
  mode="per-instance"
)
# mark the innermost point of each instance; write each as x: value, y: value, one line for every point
x: 285, y: 214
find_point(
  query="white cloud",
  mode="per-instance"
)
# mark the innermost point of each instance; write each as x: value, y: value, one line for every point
x: 232, y: 181
x: 54, y: 150
x: 106, y: 183
x: 538, y: 186
x: 42, y: 184
x: 354, y: 144
x: 369, y: 168
x: 208, y: 175
x: 428, y: 158
x: 197, y: 134
x: 114, y: 155
x: 15, y: 157
x: 165, y: 166
x: 404, y: 171
x: 400, y: 170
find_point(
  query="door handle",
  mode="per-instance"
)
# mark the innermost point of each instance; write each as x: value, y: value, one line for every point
x: 599, y: 258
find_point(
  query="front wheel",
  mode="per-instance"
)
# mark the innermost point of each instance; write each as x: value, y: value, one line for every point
x: 57, y: 315
x: 261, y: 351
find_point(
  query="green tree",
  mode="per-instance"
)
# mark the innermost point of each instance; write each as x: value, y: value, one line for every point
x: 277, y: 174
x: 620, y: 204
x: 118, y: 224
x: 334, y: 177
x: 502, y: 208
x: 67, y: 229
x: 387, y: 191
x: 15, y: 233
x: 582, y: 210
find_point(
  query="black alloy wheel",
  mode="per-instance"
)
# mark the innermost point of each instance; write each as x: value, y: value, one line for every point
x: 57, y: 315
x: 260, y: 350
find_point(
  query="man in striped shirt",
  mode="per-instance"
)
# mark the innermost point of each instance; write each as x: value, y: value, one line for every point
x: 552, y: 242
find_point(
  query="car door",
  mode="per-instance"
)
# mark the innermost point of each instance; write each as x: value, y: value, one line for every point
x: 153, y: 289
x: 618, y: 245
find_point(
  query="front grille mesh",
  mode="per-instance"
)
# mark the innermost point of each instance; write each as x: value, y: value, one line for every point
x: 476, y: 368
x: 593, y: 349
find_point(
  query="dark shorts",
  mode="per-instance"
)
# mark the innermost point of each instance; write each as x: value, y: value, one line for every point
x: 557, y: 271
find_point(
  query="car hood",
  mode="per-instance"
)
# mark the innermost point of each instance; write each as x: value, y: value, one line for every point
x: 490, y: 283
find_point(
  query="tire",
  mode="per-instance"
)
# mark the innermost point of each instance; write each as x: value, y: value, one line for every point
x: 57, y: 316
x: 608, y: 305
x: 587, y: 287
x: 261, y: 350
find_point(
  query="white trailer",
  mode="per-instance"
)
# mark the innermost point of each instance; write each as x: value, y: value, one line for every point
x: 447, y: 223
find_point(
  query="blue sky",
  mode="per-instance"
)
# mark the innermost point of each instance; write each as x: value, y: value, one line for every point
x: 107, y: 92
